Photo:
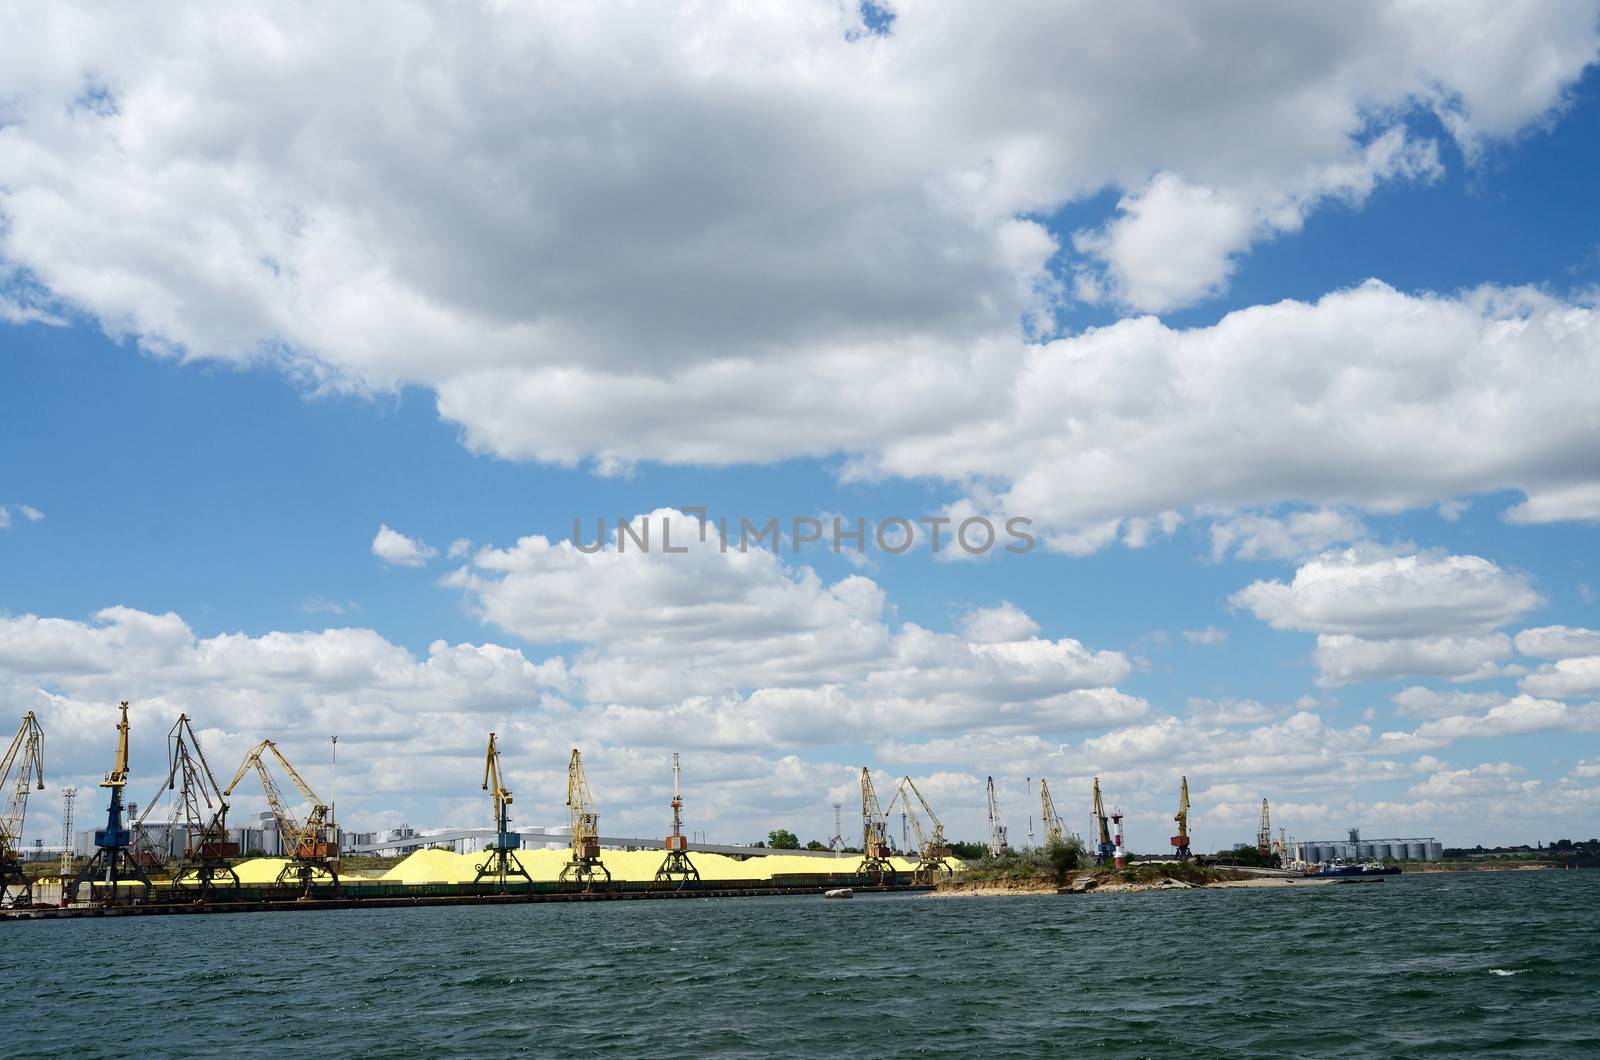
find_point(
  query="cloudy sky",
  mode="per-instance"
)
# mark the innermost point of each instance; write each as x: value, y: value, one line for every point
x: 320, y: 326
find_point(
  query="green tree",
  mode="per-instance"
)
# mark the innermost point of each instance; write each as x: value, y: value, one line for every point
x: 816, y: 844
x: 1064, y: 855
x: 1247, y: 854
x: 783, y: 839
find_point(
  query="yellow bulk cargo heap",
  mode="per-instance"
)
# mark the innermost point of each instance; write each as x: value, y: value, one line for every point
x: 442, y: 866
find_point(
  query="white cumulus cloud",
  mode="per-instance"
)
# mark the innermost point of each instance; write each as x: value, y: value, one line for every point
x: 392, y: 546
x: 588, y: 190
x: 1370, y: 593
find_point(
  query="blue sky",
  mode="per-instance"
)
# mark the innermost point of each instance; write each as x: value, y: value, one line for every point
x: 220, y: 444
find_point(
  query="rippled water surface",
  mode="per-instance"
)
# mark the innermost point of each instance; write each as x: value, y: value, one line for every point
x: 1429, y: 965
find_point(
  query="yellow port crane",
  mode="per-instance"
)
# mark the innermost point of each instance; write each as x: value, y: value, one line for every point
x: 502, y: 860
x: 206, y: 847
x: 584, y: 818
x: 309, y: 848
x: 1105, y: 848
x: 1180, y: 842
x: 875, y: 849
x: 933, y: 852
x: 25, y: 757
x: 676, y: 865
x: 1053, y: 831
x: 113, y: 859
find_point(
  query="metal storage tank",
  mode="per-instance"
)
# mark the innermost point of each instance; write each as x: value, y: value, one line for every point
x: 1417, y: 851
x: 1435, y: 850
x: 1381, y: 851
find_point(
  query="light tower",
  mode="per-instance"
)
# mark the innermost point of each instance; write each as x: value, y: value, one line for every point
x: 1119, y: 855
x: 677, y: 863
x: 1264, y: 832
x: 836, y: 844
x: 1029, y: 783
x: 68, y: 795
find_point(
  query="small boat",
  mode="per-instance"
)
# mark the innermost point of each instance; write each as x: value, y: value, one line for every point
x: 1338, y: 867
x: 838, y: 892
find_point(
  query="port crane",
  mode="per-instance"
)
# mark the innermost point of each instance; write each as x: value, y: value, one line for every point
x: 997, y: 829
x: 676, y: 865
x: 206, y: 848
x: 1180, y: 842
x: 1105, y: 849
x: 584, y: 817
x: 21, y: 772
x: 113, y: 859
x: 1053, y: 830
x: 875, y: 850
x: 502, y: 860
x: 309, y: 848
x: 933, y: 852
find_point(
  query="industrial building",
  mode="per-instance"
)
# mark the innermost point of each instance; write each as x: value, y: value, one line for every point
x: 259, y: 838
x: 1354, y: 848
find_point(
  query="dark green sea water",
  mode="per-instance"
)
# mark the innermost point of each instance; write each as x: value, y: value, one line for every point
x: 1502, y: 964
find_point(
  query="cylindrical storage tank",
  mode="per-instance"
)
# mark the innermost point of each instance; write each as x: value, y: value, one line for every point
x: 1416, y: 851
x: 1319, y: 852
x: 1365, y: 851
x: 1381, y: 851
x: 1435, y: 850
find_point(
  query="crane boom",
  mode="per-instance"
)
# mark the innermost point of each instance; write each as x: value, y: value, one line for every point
x: 676, y: 865
x: 206, y: 847
x: 1047, y: 814
x: 502, y: 861
x: 1106, y: 848
x: 21, y: 772
x: 875, y: 850
x: 493, y: 784
x: 113, y: 860
x: 932, y: 849
x: 1180, y: 842
x: 309, y: 848
x: 584, y: 819
x: 997, y: 829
